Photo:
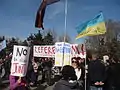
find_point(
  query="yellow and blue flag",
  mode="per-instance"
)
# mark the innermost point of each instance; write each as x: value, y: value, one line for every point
x: 92, y: 27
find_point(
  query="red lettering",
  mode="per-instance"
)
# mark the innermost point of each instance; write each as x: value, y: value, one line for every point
x: 82, y: 48
x: 45, y: 49
x: 25, y: 68
x: 49, y: 50
x: 15, y: 68
x: 41, y: 50
x: 53, y: 50
x: 75, y: 49
x: 20, y: 69
x: 36, y: 49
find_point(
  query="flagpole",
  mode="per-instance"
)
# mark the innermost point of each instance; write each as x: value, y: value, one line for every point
x: 65, y: 28
x: 85, y: 74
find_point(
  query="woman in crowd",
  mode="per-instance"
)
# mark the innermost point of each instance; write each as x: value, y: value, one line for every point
x: 79, y: 70
x: 68, y: 81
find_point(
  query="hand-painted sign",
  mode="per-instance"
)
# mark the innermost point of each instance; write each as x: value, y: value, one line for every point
x: 20, y: 60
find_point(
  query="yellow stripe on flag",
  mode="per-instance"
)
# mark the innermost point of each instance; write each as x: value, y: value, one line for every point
x: 93, y: 30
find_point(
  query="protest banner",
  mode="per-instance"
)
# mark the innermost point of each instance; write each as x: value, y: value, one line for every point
x: 59, y: 53
x: 62, y: 54
x: 67, y: 54
x: 78, y: 50
x: 20, y: 60
x: 44, y: 51
x: 2, y: 45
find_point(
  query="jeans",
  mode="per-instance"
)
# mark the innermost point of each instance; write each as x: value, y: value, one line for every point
x: 95, y: 88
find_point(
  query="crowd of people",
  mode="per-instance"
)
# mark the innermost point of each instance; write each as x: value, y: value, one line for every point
x: 98, y: 75
x: 75, y: 73
x: 103, y: 75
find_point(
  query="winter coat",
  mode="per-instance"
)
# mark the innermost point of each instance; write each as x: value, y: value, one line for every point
x: 66, y: 85
x: 96, y: 72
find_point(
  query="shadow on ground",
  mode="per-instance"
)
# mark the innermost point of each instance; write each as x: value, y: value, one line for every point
x: 41, y: 87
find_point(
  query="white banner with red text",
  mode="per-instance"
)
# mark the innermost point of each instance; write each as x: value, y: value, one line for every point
x: 77, y: 50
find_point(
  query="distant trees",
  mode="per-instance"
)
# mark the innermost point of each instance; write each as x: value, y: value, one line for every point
x: 109, y: 43
x: 63, y: 38
x: 36, y: 39
x: 49, y: 37
x: 40, y: 39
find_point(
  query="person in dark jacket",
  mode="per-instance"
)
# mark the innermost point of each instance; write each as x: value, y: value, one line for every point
x: 34, y: 73
x: 96, y: 73
x: 68, y: 81
x: 109, y: 84
x: 116, y: 75
x: 46, y: 72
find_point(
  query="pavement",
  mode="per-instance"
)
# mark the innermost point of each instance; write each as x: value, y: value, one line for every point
x: 5, y: 85
x: 43, y: 87
x: 39, y: 87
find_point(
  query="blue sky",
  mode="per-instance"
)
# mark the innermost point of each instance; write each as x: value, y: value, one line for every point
x: 17, y: 17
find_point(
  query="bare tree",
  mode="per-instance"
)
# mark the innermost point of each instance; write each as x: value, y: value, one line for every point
x: 63, y: 38
x: 103, y: 44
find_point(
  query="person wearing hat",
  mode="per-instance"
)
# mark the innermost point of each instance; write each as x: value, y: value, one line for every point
x: 68, y: 81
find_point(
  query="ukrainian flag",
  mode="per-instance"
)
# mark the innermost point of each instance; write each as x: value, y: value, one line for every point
x: 92, y: 27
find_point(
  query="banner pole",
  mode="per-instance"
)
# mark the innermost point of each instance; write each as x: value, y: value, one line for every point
x: 85, y: 69
x: 65, y: 28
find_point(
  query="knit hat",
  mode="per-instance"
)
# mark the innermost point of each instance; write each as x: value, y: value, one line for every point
x: 68, y: 73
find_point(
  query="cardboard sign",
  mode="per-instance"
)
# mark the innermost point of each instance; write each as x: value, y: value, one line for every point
x: 62, y: 54
x: 20, y: 60
x: 67, y: 54
x: 44, y: 51
x: 59, y: 54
